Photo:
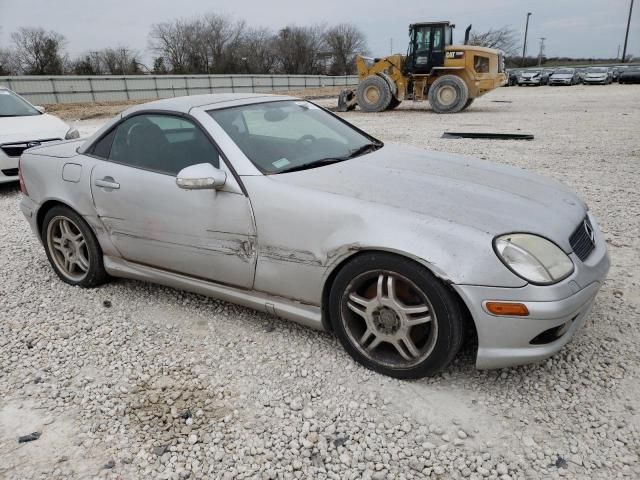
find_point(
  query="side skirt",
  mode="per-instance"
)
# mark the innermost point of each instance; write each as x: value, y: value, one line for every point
x: 307, y: 315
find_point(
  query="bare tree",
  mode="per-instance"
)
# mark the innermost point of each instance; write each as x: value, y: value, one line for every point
x: 256, y: 52
x: 504, y: 38
x: 299, y: 49
x: 39, y: 52
x: 344, y: 42
x: 7, y: 62
x: 171, y: 42
x: 119, y: 61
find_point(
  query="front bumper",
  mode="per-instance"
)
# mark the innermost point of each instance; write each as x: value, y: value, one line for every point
x: 560, y: 82
x: 8, y: 168
x: 530, y: 82
x: 556, y: 312
x: 601, y: 81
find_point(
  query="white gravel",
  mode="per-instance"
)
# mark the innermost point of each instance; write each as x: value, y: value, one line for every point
x: 164, y: 384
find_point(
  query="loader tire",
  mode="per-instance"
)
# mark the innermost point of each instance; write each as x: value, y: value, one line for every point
x: 468, y: 104
x: 374, y: 94
x: 393, y: 103
x: 448, y: 94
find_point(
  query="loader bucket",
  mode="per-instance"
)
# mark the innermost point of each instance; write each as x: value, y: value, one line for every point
x: 346, y: 101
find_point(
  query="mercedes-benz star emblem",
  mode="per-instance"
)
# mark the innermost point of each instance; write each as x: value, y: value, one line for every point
x: 589, y: 229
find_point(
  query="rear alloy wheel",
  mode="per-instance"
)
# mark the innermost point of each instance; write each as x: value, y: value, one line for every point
x: 393, y: 316
x: 448, y: 94
x: 72, y: 249
x: 373, y: 94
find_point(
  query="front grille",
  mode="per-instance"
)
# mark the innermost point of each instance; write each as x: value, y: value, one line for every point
x: 10, y: 172
x: 16, y: 149
x: 582, y: 240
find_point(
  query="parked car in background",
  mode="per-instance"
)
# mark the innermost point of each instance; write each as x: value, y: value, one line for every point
x: 564, y: 76
x: 279, y: 205
x: 630, y: 75
x: 546, y: 74
x: 616, y: 71
x: 23, y: 126
x: 598, y: 75
x: 530, y: 77
x: 512, y: 78
x: 581, y: 71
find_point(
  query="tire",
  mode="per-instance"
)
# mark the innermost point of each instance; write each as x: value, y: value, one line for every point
x: 393, y: 103
x: 365, y: 332
x: 468, y: 104
x: 373, y: 94
x: 448, y: 94
x: 77, y: 246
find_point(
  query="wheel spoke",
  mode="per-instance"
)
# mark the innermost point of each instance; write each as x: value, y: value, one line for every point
x: 65, y: 228
x: 82, y: 263
x: 406, y: 348
x: 355, y: 308
x: 380, y: 289
x: 67, y: 264
x: 414, y: 309
x: 355, y: 298
x: 412, y: 322
x: 391, y: 290
x: 376, y: 341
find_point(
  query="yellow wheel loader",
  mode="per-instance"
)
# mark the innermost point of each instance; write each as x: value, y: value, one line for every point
x: 449, y: 76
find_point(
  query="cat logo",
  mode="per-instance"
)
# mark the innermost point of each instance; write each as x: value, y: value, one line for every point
x: 455, y: 54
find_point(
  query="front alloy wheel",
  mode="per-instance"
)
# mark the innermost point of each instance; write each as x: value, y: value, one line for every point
x: 393, y: 316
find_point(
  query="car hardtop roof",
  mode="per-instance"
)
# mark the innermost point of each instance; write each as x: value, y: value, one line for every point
x: 184, y: 105
x: 207, y: 102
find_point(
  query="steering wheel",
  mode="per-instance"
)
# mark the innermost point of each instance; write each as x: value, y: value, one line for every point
x: 306, y: 140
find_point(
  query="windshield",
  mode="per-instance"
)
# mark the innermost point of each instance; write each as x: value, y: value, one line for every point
x: 291, y: 135
x: 11, y: 105
x: 597, y: 70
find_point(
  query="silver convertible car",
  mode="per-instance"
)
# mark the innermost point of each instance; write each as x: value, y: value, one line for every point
x: 277, y: 204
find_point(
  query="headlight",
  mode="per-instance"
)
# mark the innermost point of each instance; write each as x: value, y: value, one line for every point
x: 533, y: 258
x: 72, y: 133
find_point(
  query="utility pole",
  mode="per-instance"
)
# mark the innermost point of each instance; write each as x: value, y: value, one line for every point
x: 526, y: 31
x: 626, y: 36
x: 542, y: 39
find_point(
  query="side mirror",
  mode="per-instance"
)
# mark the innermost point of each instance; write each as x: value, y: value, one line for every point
x: 202, y: 176
x: 40, y: 108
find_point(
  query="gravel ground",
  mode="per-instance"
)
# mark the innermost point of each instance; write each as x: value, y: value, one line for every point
x: 132, y: 380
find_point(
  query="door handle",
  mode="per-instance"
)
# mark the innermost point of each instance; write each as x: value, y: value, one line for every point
x: 107, y: 182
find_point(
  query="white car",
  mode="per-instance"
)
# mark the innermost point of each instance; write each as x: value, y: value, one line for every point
x: 23, y: 126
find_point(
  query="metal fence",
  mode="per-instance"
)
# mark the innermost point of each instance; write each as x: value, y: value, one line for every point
x: 70, y: 89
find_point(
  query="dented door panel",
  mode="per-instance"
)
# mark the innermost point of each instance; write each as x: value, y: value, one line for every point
x: 203, y: 233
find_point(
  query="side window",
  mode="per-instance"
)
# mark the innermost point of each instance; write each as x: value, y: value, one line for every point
x: 437, y: 39
x: 103, y: 147
x: 480, y: 64
x: 161, y: 143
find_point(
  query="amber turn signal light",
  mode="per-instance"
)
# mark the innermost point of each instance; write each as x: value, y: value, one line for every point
x: 507, y: 309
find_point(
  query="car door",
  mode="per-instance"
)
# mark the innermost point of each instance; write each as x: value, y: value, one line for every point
x: 208, y: 234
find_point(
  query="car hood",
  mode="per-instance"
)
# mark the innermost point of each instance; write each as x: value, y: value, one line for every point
x: 489, y: 197
x: 530, y: 75
x: 562, y: 75
x: 34, y: 127
x: 596, y: 75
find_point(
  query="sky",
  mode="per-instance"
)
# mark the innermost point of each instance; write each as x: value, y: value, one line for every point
x: 575, y: 28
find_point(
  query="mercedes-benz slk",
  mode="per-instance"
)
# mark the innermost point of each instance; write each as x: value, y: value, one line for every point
x: 279, y: 205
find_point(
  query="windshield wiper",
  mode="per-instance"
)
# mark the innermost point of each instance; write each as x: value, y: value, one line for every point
x: 316, y: 163
x: 366, y: 148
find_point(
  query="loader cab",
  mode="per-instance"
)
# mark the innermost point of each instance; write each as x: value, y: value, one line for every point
x: 427, y: 42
